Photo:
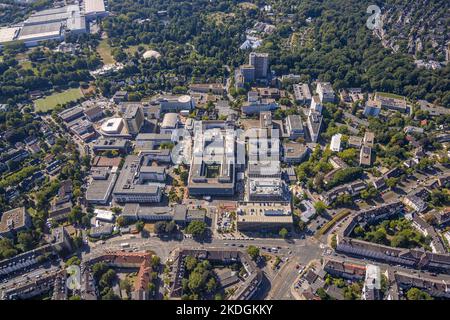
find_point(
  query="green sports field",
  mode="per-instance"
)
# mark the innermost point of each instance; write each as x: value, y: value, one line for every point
x: 50, y: 102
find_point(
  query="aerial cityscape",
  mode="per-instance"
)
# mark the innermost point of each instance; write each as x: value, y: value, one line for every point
x: 224, y: 150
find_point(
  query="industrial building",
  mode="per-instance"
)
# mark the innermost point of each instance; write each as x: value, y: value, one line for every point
x: 54, y: 24
x: 94, y: 9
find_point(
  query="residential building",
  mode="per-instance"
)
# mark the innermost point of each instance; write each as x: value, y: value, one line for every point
x: 260, y: 61
x: 365, y: 156
x: 294, y: 127
x: 314, y: 123
x: 391, y: 103
x: 294, y: 153
x: 371, y: 109
x: 336, y: 142
x: 369, y: 139
x: 302, y: 93
x: 354, y: 142
x: 214, y: 88
x: 244, y: 74
x: 257, y: 106
x: 120, y: 96
x: 415, y: 203
x: 337, y: 163
x: 14, y: 221
x: 267, y: 93
x: 325, y: 92
x: 316, y: 105
x: 372, y: 283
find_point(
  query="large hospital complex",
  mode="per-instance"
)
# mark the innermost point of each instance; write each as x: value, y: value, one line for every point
x: 54, y: 24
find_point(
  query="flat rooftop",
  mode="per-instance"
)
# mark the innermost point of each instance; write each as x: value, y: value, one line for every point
x: 100, y: 190
x: 94, y: 6
x: 41, y: 30
x: 128, y: 181
x: 8, y: 34
x: 12, y: 219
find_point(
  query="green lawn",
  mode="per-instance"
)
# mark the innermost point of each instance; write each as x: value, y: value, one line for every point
x: 390, y: 95
x: 132, y: 49
x: 50, y: 102
x: 104, y: 50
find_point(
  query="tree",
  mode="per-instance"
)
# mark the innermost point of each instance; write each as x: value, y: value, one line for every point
x: 302, y: 225
x: 155, y: 261
x: 125, y: 285
x: 283, y: 233
x: 107, y: 278
x: 190, y: 262
x: 151, y: 287
x: 121, y: 221
x: 77, y: 241
x: 211, y: 285
x: 253, y: 252
x: 196, y: 228
x: 196, y: 282
x: 440, y: 198
x: 110, y: 295
x: 322, y: 294
x: 160, y: 227
x: 75, y: 215
x: 139, y: 226
x: 416, y: 294
x: 25, y: 241
x: 98, y: 269
x: 391, y: 182
x: 73, y: 261
x: 320, y: 207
